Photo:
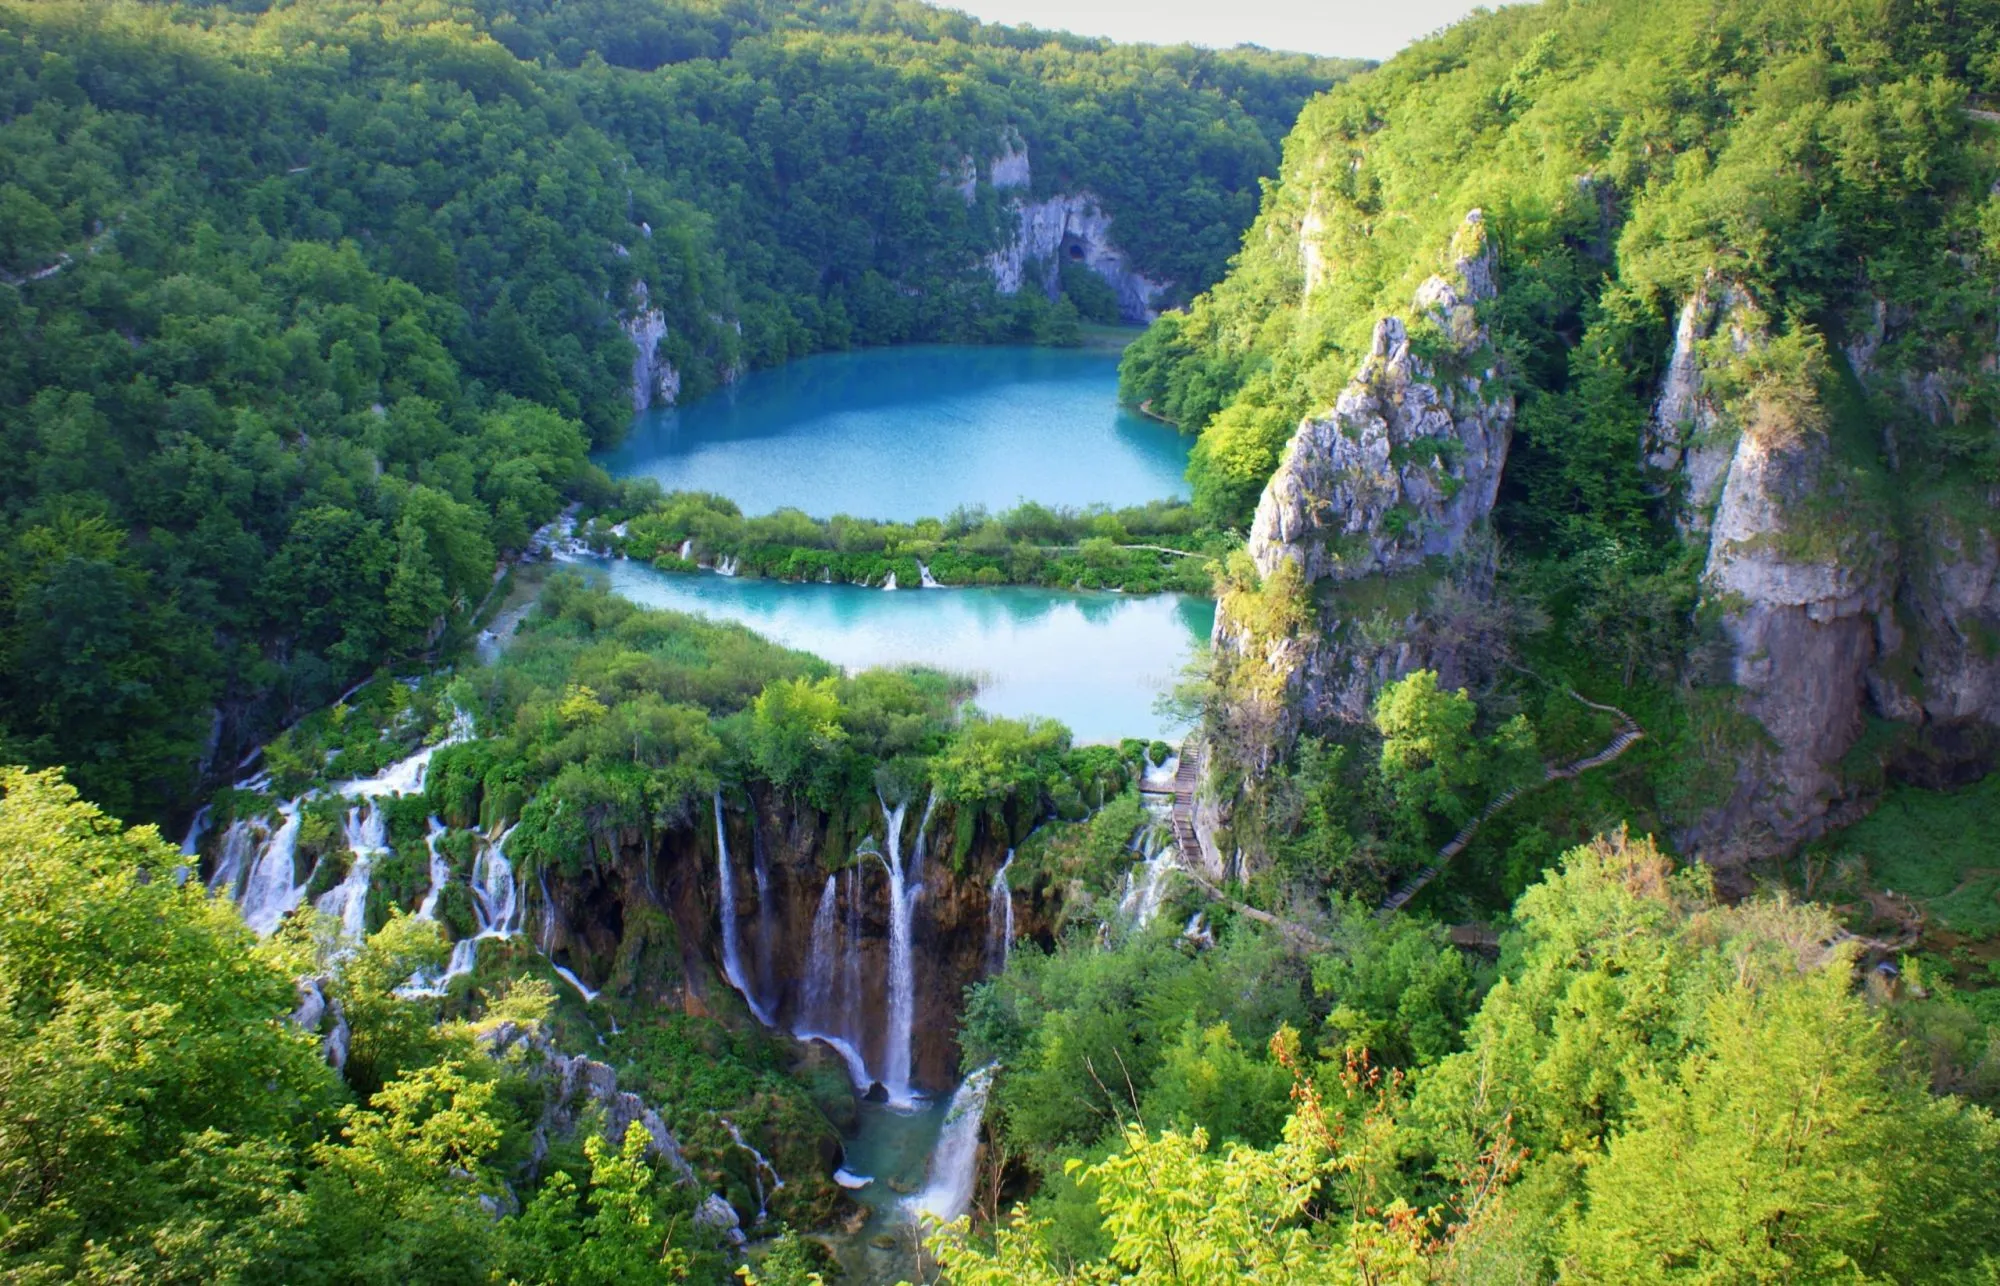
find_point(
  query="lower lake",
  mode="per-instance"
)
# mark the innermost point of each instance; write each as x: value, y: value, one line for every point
x: 1096, y: 661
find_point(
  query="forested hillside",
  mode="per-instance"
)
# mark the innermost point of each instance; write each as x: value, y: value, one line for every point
x: 1644, y: 348
x: 311, y: 313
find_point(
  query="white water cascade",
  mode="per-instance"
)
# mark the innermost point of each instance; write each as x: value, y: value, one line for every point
x: 347, y: 901
x: 440, y: 872
x: 227, y: 881
x: 496, y: 908
x: 926, y: 580
x: 1145, y: 888
x: 947, y: 1190
x: 574, y: 981
x: 732, y: 963
x: 760, y: 1168
x: 905, y: 887
x: 1000, y: 918
x: 820, y: 1011
x: 271, y: 890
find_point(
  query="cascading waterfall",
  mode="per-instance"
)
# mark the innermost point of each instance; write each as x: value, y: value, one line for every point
x: 496, y: 908
x: 767, y: 984
x: 440, y: 872
x: 1145, y: 888
x: 925, y: 579
x: 904, y: 889
x: 271, y: 889
x: 347, y: 901
x: 760, y: 1167
x: 1000, y: 918
x: 191, y: 843
x: 574, y: 981
x: 227, y: 881
x: 820, y: 1010
x: 732, y: 964
x: 947, y: 1191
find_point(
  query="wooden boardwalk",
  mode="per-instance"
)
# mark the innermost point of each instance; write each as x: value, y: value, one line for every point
x: 1628, y: 733
x: 1186, y: 778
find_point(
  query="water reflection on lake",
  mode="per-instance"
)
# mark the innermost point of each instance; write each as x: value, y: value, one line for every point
x: 1095, y: 661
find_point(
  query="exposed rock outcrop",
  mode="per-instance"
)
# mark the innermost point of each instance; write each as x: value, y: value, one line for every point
x: 1072, y: 228
x: 655, y: 382
x: 1399, y: 476
x: 577, y: 1084
x: 1827, y: 616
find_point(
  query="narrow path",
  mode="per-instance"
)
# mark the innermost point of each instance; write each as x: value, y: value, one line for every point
x: 1186, y: 777
x: 1629, y: 733
x: 1146, y: 409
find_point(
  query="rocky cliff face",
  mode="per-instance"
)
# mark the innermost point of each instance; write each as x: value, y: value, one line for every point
x: 655, y: 382
x: 1399, y: 476
x: 1828, y: 616
x: 643, y: 925
x: 1061, y: 228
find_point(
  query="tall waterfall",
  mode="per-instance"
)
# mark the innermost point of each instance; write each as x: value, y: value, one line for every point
x: 347, y: 901
x: 1000, y: 918
x: 440, y: 872
x: 271, y: 890
x: 821, y: 1016
x: 904, y: 890
x: 947, y: 1191
x: 191, y: 843
x: 767, y: 981
x: 732, y: 963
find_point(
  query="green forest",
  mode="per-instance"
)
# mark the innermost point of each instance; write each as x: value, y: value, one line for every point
x: 313, y: 310
x: 1578, y: 864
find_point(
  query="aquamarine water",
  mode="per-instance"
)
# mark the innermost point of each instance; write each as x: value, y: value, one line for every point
x: 904, y: 433
x: 1096, y: 661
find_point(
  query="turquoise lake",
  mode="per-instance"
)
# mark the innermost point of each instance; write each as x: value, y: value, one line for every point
x: 1094, y: 661
x: 903, y: 433
x: 913, y: 432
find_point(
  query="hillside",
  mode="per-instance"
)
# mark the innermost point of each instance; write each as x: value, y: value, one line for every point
x: 312, y: 312
x: 1642, y: 348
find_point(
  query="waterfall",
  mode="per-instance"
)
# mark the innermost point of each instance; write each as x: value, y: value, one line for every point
x: 574, y: 981
x: 1145, y: 887
x: 440, y: 872
x: 548, y: 912
x: 496, y: 898
x: 732, y: 964
x: 347, y: 901
x: 197, y: 828
x: 890, y: 583
x: 927, y: 581
x: 850, y: 1001
x: 947, y: 1191
x: 760, y: 1166
x: 270, y: 892
x: 496, y: 908
x: 902, y: 982
x: 820, y: 963
x: 1000, y: 918
x: 819, y: 1011
x: 726, y: 566
x: 228, y: 878
x: 406, y: 776
x: 687, y: 550
x: 766, y: 932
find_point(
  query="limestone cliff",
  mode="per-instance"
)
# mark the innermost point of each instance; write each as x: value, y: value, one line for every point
x: 1832, y: 610
x: 655, y: 382
x: 1399, y: 476
x: 1071, y: 227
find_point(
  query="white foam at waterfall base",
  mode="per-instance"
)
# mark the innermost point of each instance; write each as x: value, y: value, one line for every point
x: 732, y: 964
x: 947, y: 1190
x: 853, y: 1182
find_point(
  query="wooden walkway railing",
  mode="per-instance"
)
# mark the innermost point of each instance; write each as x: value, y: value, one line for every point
x: 1186, y: 778
x: 1628, y: 733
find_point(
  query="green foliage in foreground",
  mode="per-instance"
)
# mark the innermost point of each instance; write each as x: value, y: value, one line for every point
x: 1659, y: 1088
x: 1139, y: 549
x: 162, y: 1121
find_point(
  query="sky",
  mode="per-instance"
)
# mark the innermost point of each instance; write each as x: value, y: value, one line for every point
x: 1347, y: 28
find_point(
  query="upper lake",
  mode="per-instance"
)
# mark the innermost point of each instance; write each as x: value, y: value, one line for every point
x: 905, y: 433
